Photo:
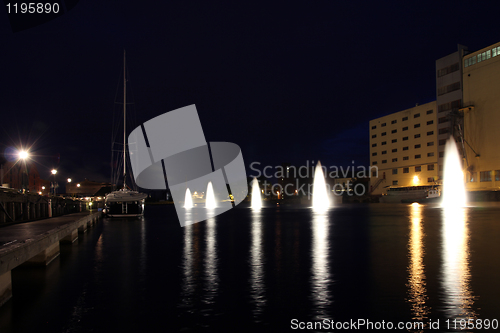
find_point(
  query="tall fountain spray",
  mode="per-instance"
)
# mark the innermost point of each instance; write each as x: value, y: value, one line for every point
x: 256, y: 199
x: 188, y: 199
x: 453, y: 191
x: 320, y: 194
x: 210, y: 202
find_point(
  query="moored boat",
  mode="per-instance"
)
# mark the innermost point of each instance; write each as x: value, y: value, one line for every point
x: 124, y: 202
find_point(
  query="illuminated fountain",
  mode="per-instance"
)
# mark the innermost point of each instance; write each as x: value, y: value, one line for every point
x: 210, y: 203
x: 453, y: 191
x: 320, y: 193
x: 188, y: 199
x: 256, y: 199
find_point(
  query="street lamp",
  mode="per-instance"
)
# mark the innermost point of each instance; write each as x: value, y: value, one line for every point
x: 24, y: 155
x: 54, y: 171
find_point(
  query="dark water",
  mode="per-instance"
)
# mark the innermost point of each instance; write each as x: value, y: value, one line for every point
x: 257, y: 271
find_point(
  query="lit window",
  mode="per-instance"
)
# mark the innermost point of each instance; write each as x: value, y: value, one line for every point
x: 472, y: 177
x: 474, y: 59
x: 488, y: 54
x: 485, y: 176
x: 494, y: 51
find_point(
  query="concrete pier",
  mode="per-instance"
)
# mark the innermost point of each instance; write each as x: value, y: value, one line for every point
x: 5, y: 287
x: 37, y: 243
x: 71, y: 238
x: 45, y: 257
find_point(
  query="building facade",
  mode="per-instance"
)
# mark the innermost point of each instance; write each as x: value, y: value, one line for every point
x: 404, y: 147
x: 481, y: 116
x: 448, y: 99
x: 23, y: 176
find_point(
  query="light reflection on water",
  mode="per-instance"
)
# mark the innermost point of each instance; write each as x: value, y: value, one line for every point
x: 188, y: 279
x: 211, y: 261
x: 320, y: 275
x: 417, y: 289
x: 257, y: 285
x: 457, y: 293
x: 265, y: 267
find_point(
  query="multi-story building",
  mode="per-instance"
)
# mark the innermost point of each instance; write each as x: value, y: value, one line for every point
x: 23, y: 176
x: 404, y: 146
x: 481, y: 112
x: 448, y: 99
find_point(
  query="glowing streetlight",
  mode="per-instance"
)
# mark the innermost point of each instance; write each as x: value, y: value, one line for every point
x: 54, y: 171
x: 23, y: 154
x: 77, y: 185
x: 415, y: 180
x: 69, y: 180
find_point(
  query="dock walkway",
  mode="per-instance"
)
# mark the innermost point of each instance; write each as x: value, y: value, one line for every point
x: 37, y: 243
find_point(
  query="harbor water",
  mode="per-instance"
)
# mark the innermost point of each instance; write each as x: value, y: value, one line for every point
x: 272, y: 269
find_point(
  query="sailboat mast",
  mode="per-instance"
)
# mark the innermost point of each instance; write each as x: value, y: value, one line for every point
x: 124, y: 119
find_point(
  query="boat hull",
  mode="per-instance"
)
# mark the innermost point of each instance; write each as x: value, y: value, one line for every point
x: 124, y: 209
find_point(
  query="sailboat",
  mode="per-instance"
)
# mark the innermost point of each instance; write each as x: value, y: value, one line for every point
x: 124, y: 202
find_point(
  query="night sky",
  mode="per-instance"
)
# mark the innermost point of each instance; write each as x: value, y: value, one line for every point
x: 286, y: 81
